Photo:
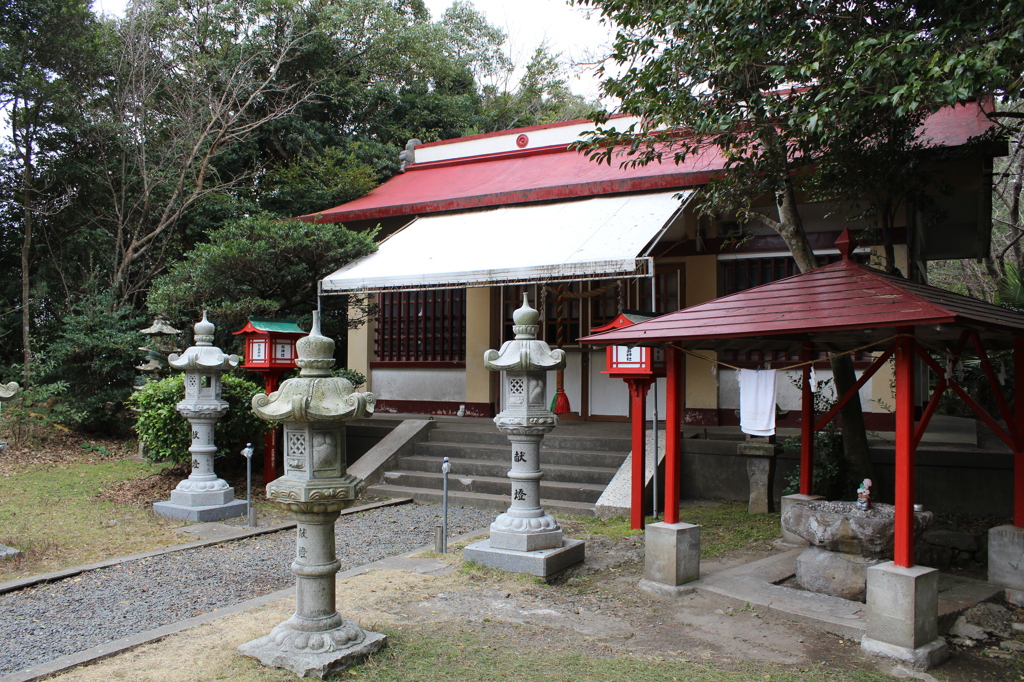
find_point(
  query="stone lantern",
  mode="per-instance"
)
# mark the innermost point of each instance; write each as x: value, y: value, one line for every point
x: 202, y: 496
x: 315, y: 487
x: 526, y: 539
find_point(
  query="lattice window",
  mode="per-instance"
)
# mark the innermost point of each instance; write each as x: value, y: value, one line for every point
x: 422, y: 326
x: 515, y: 386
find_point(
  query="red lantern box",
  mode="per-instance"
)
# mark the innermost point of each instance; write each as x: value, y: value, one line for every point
x: 270, y: 344
x: 624, y: 362
x: 270, y: 351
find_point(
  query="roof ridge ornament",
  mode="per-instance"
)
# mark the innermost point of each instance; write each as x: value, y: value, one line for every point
x: 846, y: 244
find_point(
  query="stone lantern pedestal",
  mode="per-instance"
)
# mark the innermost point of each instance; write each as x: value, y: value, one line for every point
x: 203, y: 496
x: 526, y: 539
x: 315, y: 487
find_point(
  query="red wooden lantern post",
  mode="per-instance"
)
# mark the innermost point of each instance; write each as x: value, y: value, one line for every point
x: 638, y: 367
x: 270, y: 351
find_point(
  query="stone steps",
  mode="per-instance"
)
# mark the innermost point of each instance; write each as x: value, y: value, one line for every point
x: 577, y: 463
x: 497, y: 503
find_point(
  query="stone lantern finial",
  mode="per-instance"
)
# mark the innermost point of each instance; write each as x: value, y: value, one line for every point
x: 315, y: 352
x: 204, y: 331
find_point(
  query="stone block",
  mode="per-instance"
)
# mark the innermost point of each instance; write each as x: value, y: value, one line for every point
x: 789, y: 537
x: 672, y: 553
x: 542, y: 563
x: 761, y: 478
x: 833, y: 573
x: 201, y: 514
x: 526, y: 542
x: 206, y: 498
x: 903, y: 610
x: 9, y: 552
x: 1006, y: 557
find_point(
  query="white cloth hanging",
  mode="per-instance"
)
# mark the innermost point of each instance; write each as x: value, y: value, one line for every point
x: 813, y: 381
x: 757, y: 401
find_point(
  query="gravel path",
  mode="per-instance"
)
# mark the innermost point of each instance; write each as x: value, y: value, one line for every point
x: 45, y: 622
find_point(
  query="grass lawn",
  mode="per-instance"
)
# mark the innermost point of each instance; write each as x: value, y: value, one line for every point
x: 725, y: 525
x: 48, y: 509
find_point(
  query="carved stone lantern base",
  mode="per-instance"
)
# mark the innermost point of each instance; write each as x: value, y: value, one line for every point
x: 314, y: 654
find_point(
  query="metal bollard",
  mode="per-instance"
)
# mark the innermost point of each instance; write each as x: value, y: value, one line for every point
x: 247, y: 453
x: 445, y: 468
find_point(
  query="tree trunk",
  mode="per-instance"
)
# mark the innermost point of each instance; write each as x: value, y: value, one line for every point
x: 26, y: 253
x: 855, y: 439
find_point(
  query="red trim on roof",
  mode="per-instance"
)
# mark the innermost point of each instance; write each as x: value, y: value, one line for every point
x: 555, y: 173
x: 516, y: 131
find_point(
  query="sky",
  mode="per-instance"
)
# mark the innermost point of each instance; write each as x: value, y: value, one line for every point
x: 528, y: 23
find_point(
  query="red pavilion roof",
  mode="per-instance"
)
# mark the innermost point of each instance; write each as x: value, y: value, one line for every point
x: 843, y: 303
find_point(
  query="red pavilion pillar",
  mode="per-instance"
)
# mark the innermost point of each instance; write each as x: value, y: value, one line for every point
x: 638, y: 388
x: 904, y: 521
x: 673, y: 428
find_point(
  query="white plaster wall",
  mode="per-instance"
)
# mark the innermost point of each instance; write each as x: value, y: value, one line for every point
x: 419, y: 384
x: 787, y: 396
x: 609, y: 397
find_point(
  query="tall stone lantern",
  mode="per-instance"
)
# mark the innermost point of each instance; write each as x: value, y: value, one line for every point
x: 315, y: 487
x: 526, y: 539
x: 202, y: 496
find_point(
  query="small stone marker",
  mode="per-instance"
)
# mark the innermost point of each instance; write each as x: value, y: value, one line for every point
x: 526, y: 539
x: 315, y: 487
x: 203, y: 496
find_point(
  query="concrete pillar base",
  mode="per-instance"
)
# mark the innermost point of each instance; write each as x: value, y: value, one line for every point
x: 543, y: 563
x: 1005, y: 557
x: 671, y: 553
x: 787, y: 500
x: 662, y: 590
x: 922, y: 658
x: 903, y: 614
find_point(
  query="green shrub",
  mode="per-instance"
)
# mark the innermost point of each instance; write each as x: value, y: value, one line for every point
x: 165, y: 434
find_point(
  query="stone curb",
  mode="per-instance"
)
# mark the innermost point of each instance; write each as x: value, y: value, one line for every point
x: 22, y: 583
x: 108, y: 649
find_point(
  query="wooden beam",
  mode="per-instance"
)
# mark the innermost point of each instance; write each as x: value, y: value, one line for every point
x: 868, y: 373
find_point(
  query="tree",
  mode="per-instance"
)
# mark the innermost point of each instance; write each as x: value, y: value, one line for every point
x: 190, y: 80
x: 41, y: 80
x: 541, y: 96
x: 257, y: 266
x: 779, y: 88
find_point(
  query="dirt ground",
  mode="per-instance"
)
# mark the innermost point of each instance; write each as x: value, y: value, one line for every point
x: 596, y: 610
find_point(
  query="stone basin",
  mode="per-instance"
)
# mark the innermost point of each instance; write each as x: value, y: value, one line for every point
x: 841, y: 527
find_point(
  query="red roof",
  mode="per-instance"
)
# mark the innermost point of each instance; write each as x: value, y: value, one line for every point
x: 844, y: 303
x: 553, y: 173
